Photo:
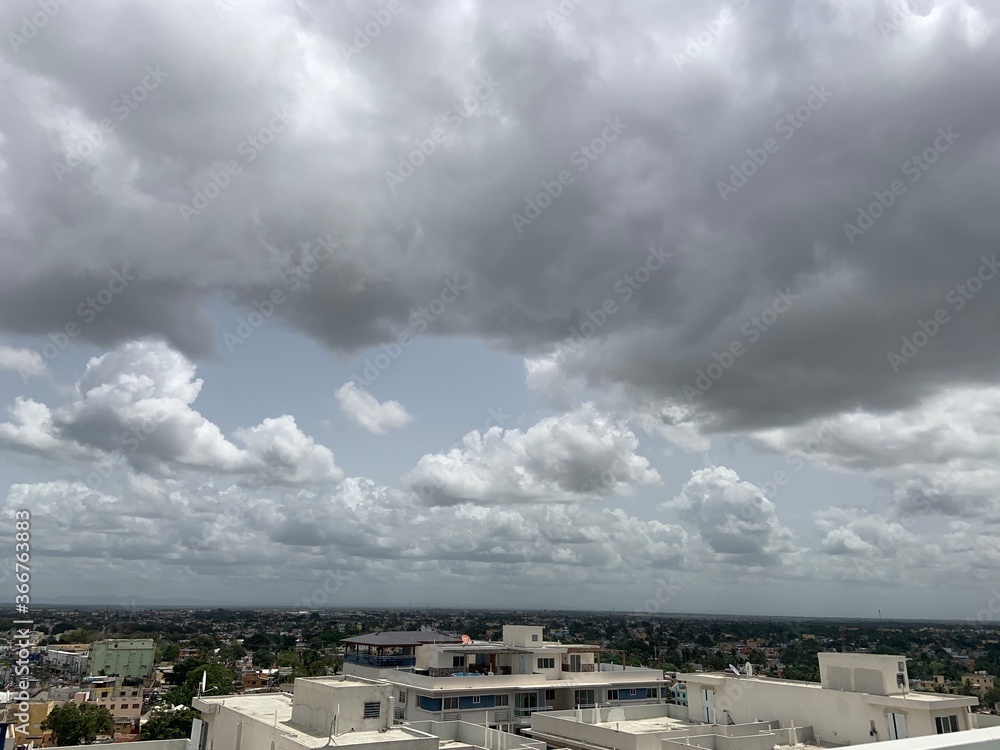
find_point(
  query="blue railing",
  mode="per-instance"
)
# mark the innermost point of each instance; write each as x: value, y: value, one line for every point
x: 381, y: 662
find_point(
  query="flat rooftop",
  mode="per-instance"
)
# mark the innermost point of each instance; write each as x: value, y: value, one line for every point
x: 275, y: 709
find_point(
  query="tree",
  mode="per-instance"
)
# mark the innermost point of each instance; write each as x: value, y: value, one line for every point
x: 168, y: 724
x: 79, y: 723
x: 218, y: 680
x: 181, y: 695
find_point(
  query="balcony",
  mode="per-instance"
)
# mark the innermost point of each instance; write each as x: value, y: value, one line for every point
x: 380, y: 662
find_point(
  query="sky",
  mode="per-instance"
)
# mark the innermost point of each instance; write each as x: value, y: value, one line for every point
x: 658, y: 306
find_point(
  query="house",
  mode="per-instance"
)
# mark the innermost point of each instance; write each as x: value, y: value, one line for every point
x: 336, y: 711
x: 495, y: 683
x: 860, y: 698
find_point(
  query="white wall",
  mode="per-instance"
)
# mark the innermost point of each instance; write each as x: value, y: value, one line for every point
x: 520, y: 635
x: 836, y: 716
x: 317, y: 701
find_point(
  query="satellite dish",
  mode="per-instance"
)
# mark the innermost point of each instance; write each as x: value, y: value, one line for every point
x: 749, y: 669
x: 735, y: 671
x: 466, y: 640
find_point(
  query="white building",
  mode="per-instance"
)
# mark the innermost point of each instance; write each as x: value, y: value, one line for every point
x: 70, y: 661
x: 860, y: 698
x: 495, y: 683
x: 332, y: 712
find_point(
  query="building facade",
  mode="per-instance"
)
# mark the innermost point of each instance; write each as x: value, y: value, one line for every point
x: 860, y: 698
x: 495, y: 683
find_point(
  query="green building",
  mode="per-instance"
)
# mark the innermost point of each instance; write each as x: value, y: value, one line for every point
x: 126, y: 657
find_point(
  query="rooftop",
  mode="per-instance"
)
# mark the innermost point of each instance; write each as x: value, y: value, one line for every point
x: 402, y: 638
x: 275, y: 709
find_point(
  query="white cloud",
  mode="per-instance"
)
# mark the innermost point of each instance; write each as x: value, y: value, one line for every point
x: 364, y: 409
x: 25, y: 361
x: 134, y: 405
x: 584, y: 454
x: 733, y: 517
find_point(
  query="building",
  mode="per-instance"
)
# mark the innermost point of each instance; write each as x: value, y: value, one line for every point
x: 38, y: 711
x: 860, y: 698
x: 69, y: 658
x: 662, y: 727
x: 495, y: 683
x: 325, y: 712
x: 126, y: 658
x: 980, y: 681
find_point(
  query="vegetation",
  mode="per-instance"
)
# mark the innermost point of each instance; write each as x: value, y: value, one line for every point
x: 79, y: 723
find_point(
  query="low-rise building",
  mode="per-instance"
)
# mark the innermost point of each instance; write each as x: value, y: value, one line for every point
x: 69, y: 658
x: 329, y: 712
x: 495, y: 683
x: 860, y: 698
x: 123, y: 657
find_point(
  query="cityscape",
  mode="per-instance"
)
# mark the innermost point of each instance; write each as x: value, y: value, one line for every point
x: 499, y: 374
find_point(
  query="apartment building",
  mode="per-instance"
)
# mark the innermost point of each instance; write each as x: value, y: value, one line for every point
x: 860, y: 698
x: 328, y: 712
x: 69, y: 658
x: 495, y: 683
x: 123, y: 657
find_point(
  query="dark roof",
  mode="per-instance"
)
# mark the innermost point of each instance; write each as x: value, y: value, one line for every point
x: 402, y: 638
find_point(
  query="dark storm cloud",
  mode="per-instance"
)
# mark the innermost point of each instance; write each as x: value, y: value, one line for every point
x: 627, y: 146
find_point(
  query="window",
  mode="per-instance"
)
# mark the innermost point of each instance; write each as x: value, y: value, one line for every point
x: 476, y: 699
x: 458, y: 661
x: 451, y: 704
x: 546, y: 663
x: 534, y: 636
x: 402, y: 697
x: 946, y: 724
x: 612, y: 695
x: 502, y: 700
x: 900, y: 680
x: 901, y: 667
x: 550, y: 695
x: 373, y: 709
x: 583, y: 698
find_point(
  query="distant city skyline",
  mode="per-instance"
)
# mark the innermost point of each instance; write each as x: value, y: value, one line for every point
x: 666, y: 306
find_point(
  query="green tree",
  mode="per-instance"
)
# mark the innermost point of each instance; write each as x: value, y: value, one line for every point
x: 181, y: 695
x: 218, y: 680
x: 167, y: 724
x: 263, y: 659
x: 79, y: 723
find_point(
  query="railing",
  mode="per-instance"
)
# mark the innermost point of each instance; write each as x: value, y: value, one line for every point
x: 399, y: 713
x: 382, y: 662
x: 522, y: 712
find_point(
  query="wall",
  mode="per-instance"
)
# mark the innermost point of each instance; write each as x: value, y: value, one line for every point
x: 520, y: 635
x: 863, y: 673
x: 837, y: 717
x: 316, y: 703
